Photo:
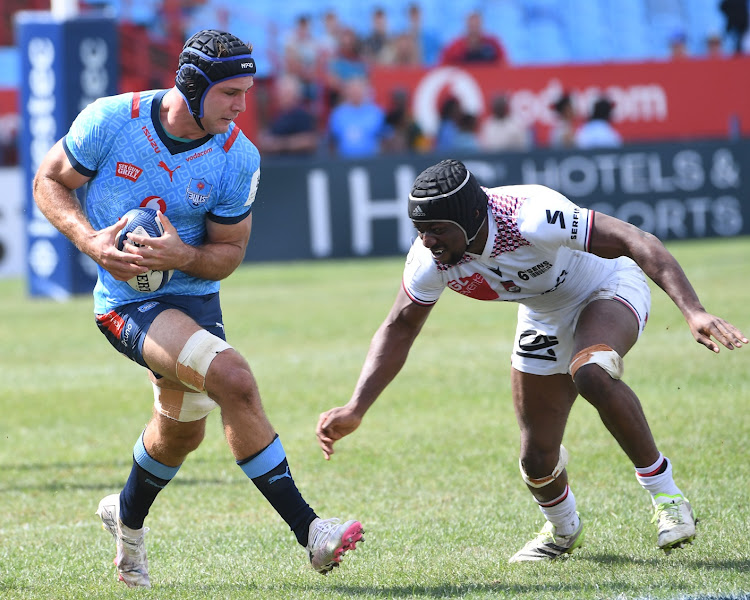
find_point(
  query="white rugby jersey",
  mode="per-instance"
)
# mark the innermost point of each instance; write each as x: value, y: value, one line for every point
x: 537, y: 254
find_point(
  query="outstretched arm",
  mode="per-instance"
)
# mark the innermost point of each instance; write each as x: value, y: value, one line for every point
x: 611, y: 238
x: 387, y: 354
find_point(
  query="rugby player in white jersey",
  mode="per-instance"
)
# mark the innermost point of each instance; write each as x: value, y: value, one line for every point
x: 180, y: 152
x: 578, y: 278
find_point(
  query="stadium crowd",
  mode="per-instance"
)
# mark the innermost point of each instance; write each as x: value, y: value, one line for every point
x: 314, y: 94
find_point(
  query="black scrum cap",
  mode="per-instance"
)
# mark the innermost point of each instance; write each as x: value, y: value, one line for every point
x: 208, y: 57
x: 448, y: 191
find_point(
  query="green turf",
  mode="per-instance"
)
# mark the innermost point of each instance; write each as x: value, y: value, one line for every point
x: 432, y: 473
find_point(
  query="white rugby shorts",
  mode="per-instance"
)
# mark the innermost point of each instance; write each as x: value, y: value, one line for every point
x: 544, y: 340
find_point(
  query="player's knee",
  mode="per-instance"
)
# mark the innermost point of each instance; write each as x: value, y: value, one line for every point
x: 196, y: 357
x: 593, y: 383
x: 234, y: 386
x: 595, y: 369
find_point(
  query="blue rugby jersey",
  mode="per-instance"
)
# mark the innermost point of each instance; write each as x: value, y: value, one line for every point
x: 120, y: 143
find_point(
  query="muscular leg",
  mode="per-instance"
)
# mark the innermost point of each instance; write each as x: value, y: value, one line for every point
x: 170, y: 441
x: 542, y: 405
x: 229, y: 382
x: 612, y: 323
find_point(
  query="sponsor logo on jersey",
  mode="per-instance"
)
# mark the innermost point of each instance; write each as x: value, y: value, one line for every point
x: 536, y: 344
x: 511, y: 286
x: 474, y: 286
x: 150, y: 139
x: 198, y: 191
x: 199, y: 154
x: 164, y: 166
x: 535, y: 271
x: 552, y: 218
x: 128, y: 171
x: 574, y: 225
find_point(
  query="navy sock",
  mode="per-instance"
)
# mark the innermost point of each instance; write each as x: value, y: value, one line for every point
x: 147, y: 478
x: 269, y: 471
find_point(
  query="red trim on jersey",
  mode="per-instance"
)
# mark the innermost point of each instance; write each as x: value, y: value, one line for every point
x: 231, y: 138
x: 135, y: 106
x: 654, y: 472
x: 589, y: 229
x: 413, y: 299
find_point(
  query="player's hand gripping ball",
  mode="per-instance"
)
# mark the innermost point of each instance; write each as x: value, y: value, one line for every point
x: 143, y: 221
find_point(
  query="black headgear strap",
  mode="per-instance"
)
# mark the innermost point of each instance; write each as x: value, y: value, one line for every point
x: 448, y: 191
x: 199, y: 70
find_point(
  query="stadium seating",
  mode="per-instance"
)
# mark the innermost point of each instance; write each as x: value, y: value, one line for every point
x: 533, y: 31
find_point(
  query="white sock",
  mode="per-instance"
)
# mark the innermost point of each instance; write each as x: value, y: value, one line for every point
x: 663, y: 483
x: 561, y: 512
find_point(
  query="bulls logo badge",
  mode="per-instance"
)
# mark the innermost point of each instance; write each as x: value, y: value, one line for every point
x: 198, y: 191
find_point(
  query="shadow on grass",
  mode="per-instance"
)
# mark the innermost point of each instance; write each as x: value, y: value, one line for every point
x: 738, y: 566
x: 60, y: 476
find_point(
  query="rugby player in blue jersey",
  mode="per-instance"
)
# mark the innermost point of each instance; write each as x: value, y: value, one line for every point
x: 179, y: 152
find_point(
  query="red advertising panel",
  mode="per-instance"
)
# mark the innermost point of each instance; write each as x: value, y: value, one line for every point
x: 653, y: 101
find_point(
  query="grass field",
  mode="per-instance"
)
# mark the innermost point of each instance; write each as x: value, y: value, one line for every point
x: 432, y: 473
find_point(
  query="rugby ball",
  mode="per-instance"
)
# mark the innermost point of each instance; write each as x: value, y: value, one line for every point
x: 143, y: 221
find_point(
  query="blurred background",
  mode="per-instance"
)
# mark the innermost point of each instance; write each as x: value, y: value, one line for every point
x: 638, y: 108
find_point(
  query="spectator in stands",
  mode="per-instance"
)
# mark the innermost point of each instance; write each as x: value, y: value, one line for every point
x: 377, y: 40
x: 357, y: 125
x: 427, y: 42
x: 598, y: 131
x: 329, y: 41
x: 9, y: 126
x: 737, y: 20
x: 501, y: 130
x: 303, y: 58
x: 346, y: 64
x: 678, y: 49
x: 450, y: 113
x: 293, y: 132
x: 563, y: 132
x: 467, y: 138
x: 714, y: 46
x: 475, y: 46
x: 401, y: 51
x: 403, y: 133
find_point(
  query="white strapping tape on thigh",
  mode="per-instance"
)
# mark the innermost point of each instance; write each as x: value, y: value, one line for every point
x: 599, y: 354
x: 542, y: 481
x: 182, y: 406
x: 196, y: 356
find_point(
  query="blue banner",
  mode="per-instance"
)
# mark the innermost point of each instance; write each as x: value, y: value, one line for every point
x: 65, y: 65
